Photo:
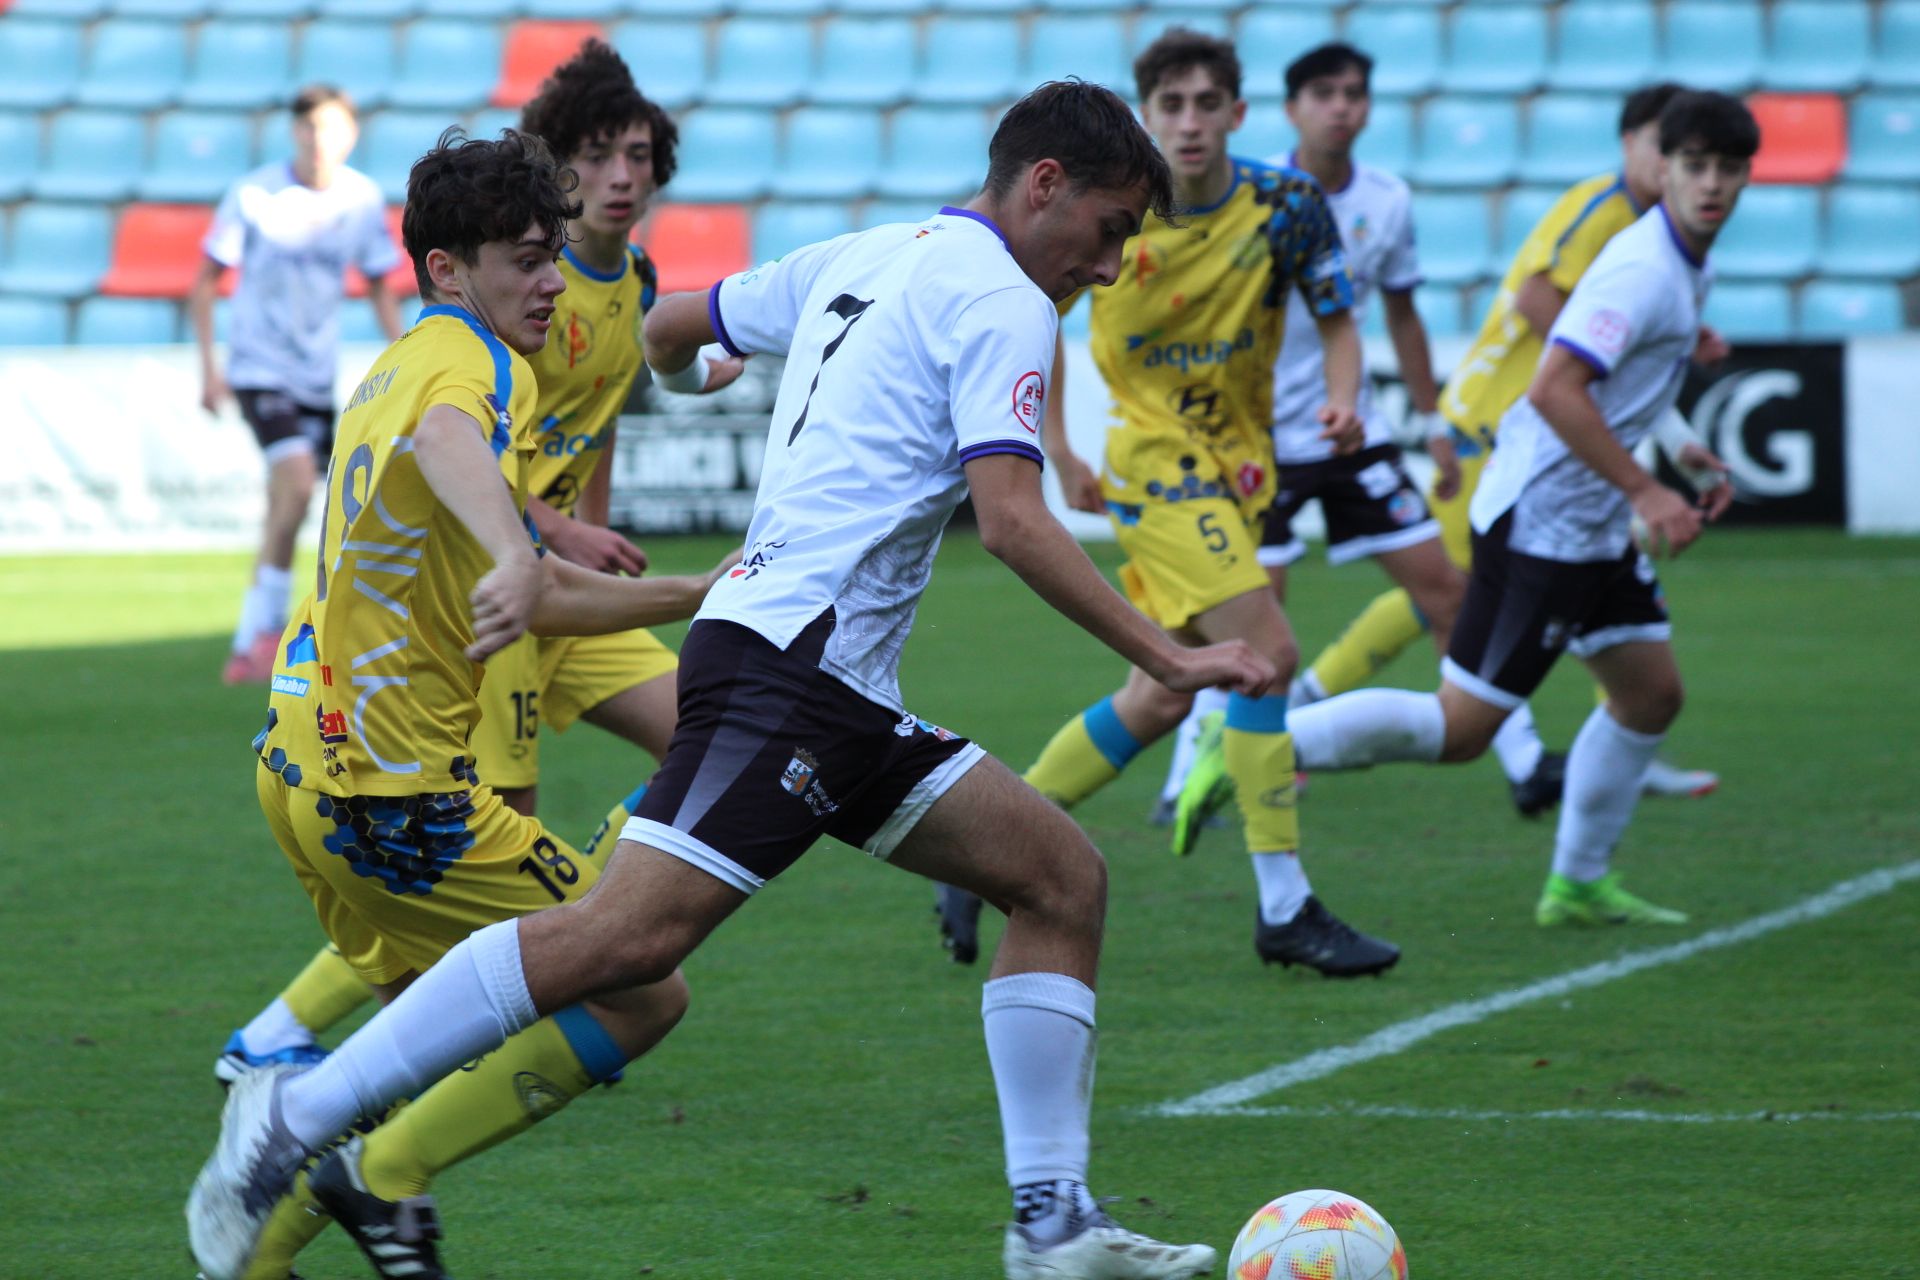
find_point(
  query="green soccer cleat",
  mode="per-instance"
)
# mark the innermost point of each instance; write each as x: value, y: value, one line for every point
x: 1208, y: 789
x: 1567, y: 902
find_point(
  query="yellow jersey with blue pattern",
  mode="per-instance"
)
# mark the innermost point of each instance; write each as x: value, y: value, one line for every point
x: 372, y: 692
x: 1499, y: 366
x: 586, y: 370
x: 1186, y: 338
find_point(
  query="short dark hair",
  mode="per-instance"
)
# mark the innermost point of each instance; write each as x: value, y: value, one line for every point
x: 313, y: 96
x: 1178, y: 48
x: 1329, y: 59
x: 1644, y: 105
x: 468, y: 191
x: 1711, y: 122
x: 1093, y: 135
x: 592, y: 95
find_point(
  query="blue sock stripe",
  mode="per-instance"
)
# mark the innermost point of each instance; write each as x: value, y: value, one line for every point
x: 599, y: 1055
x: 1110, y: 736
x: 1257, y: 715
x: 632, y: 802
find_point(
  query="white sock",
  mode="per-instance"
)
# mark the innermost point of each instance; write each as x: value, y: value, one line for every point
x: 1040, y: 1043
x: 1186, y: 739
x: 272, y: 1029
x: 1368, y: 727
x: 1604, y: 769
x: 1047, y: 1210
x: 1283, y: 886
x: 464, y: 1006
x: 1305, y: 690
x: 1517, y: 743
x: 264, y: 607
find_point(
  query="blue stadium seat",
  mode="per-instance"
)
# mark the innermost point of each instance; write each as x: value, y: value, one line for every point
x: 761, y: 62
x: 391, y: 141
x: 876, y: 213
x: 1840, y: 308
x: 1520, y: 211
x: 1077, y: 45
x: 985, y: 6
x: 389, y: 9
x: 1270, y: 38
x: 1604, y: 48
x: 935, y: 154
x: 1440, y: 306
x: 1266, y: 136
x: 1823, y: 45
x: 1750, y: 311
x: 1883, y: 137
x: 360, y: 323
x: 178, y: 10
x: 42, y: 61
x: 677, y: 8
x: 903, y: 8
x: 1496, y: 49
x: 239, y: 64
x: 1570, y: 137
x: 969, y: 60
x: 779, y: 229
x: 32, y: 322
x: 830, y: 153
x: 488, y: 10
x: 866, y: 63
x: 1467, y: 142
x: 489, y: 123
x: 197, y: 155
x: 127, y: 322
x: 1154, y: 22
x: 19, y: 152
x: 1896, y: 52
x: 669, y: 57
x: 725, y: 154
x: 1772, y: 235
x: 70, y: 10
x: 1388, y: 142
x: 134, y: 64
x: 1871, y: 231
x: 446, y: 63
x: 1475, y: 303
x: 1404, y: 42
x: 357, y: 56
x: 57, y: 250
x: 1456, y: 239
x: 285, y: 10
x: 1714, y: 44
x: 563, y: 9
x: 780, y: 8
x: 92, y: 155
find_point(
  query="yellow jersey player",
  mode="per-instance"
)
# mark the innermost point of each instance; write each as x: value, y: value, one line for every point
x: 427, y: 567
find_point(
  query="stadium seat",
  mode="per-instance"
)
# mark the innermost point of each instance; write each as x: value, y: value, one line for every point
x: 357, y: 56
x: 1818, y: 44
x: 1456, y: 243
x: 197, y: 155
x: 92, y: 155
x: 1520, y: 211
x: 761, y: 62
x: 866, y: 62
x: 1439, y: 305
x: 1896, y: 51
x: 1270, y: 38
x: 1165, y: 14
x: 486, y: 10
x: 1496, y: 49
x: 285, y: 10
x: 676, y: 8
x: 56, y: 250
x: 488, y: 122
x: 935, y: 154
x: 1081, y: 45
x: 1750, y: 311
x: 1803, y: 137
x: 360, y: 323
x: 779, y: 229
x: 156, y: 250
x: 1772, y: 234
x: 32, y: 322
x: 69, y: 10
x: 902, y: 8
x: 127, y: 322
x: 575, y: 9
x: 670, y: 57
x: 1265, y: 136
x: 134, y: 64
x: 390, y: 9
x: 1713, y: 44
x: 968, y: 60
x: 876, y: 213
x: 779, y: 8
x: 42, y: 61
x: 391, y: 141
x: 1871, y: 231
x: 178, y: 10
x: 19, y: 152
x: 533, y: 50
x: 1570, y: 137
x: 1404, y: 42
x: 1841, y: 308
x: 239, y: 64
x: 829, y: 153
x: 1467, y: 142
x: 1388, y: 142
x: 1604, y: 48
x: 401, y: 279
x: 1883, y: 137
x: 694, y: 245
x: 985, y: 6
x: 446, y: 63
x: 725, y: 154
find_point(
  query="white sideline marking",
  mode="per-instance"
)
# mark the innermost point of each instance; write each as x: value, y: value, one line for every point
x: 1400, y: 1036
x: 1567, y: 1113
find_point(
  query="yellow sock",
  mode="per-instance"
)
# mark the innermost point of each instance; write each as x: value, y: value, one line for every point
x: 607, y: 834
x: 1260, y: 761
x: 532, y: 1076
x: 291, y: 1227
x: 1089, y: 752
x: 326, y: 991
x: 1373, y: 639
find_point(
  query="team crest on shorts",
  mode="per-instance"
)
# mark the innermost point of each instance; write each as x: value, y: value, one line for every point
x: 1404, y: 507
x: 801, y: 779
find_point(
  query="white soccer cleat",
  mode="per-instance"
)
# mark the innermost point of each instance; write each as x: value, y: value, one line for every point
x: 1663, y: 779
x: 1105, y: 1250
x: 252, y: 1166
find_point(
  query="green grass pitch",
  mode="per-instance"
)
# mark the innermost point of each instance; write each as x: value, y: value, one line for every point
x: 826, y: 1110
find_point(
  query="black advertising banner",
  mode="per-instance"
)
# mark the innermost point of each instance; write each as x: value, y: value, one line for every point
x: 1777, y: 415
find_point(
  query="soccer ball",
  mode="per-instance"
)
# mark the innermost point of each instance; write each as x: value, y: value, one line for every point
x: 1317, y: 1235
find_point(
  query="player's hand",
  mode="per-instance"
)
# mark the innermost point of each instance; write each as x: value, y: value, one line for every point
x: 1710, y: 478
x: 594, y: 547
x: 723, y: 372
x: 719, y: 571
x: 214, y: 393
x: 1341, y: 427
x: 1712, y: 347
x: 1446, y: 462
x: 1079, y: 485
x: 503, y: 603
x: 1668, y: 522
x: 1233, y: 664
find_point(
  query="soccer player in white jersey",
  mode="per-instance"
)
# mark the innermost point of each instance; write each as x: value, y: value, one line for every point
x: 291, y: 228
x: 916, y: 373
x: 1558, y: 562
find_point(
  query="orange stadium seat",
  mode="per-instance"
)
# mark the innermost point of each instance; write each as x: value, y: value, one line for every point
x: 534, y: 49
x: 1803, y: 136
x: 693, y: 245
x: 400, y: 279
x: 156, y: 250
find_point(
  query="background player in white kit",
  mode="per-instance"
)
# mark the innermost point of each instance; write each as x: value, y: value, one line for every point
x: 291, y: 228
x: 1555, y: 565
x: 915, y: 374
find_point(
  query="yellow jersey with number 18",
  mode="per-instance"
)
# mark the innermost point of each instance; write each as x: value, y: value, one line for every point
x: 372, y: 692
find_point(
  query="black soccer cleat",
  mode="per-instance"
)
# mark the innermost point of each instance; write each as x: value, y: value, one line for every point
x: 959, y: 913
x: 1540, y: 790
x: 1320, y: 940
x: 396, y: 1235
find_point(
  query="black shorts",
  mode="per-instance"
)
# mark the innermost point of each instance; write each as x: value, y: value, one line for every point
x: 1522, y: 610
x: 1370, y: 503
x: 277, y: 418
x: 771, y: 753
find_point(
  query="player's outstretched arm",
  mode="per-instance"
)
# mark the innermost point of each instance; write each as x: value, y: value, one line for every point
x: 675, y: 330
x: 586, y: 542
x: 450, y: 448
x: 577, y: 601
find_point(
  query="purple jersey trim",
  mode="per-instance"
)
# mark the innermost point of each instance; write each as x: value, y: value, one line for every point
x: 720, y: 326
x: 1587, y: 357
x: 1020, y: 447
x: 981, y: 218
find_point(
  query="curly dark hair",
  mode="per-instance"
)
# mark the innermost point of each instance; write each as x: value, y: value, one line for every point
x: 1178, y: 48
x: 1716, y: 123
x: 467, y: 191
x: 592, y: 95
x: 1090, y: 132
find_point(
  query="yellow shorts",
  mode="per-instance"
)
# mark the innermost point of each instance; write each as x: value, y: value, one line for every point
x: 1456, y: 534
x: 558, y: 678
x: 1185, y: 557
x: 398, y: 880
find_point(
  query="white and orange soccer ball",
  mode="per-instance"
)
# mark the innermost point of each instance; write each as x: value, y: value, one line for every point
x: 1317, y: 1235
